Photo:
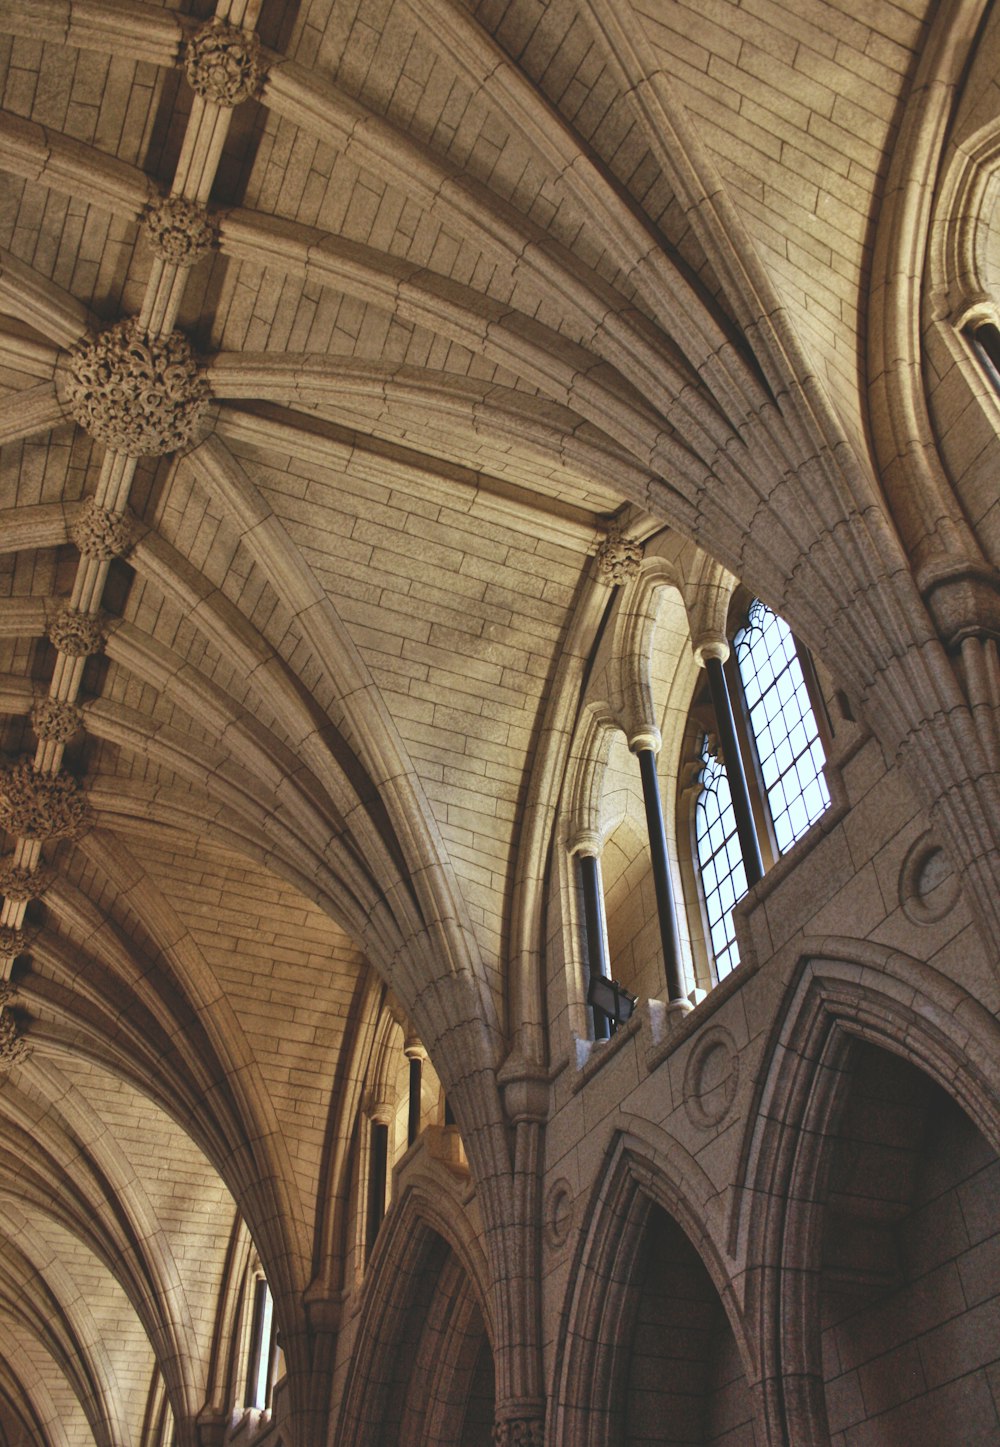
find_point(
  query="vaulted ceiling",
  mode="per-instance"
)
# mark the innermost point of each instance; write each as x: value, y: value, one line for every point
x: 463, y: 301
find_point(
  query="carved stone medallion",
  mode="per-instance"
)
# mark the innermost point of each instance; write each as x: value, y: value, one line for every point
x: 102, y: 534
x: 711, y: 1078
x: 56, y: 719
x: 41, y: 806
x: 76, y: 634
x: 928, y: 885
x: 138, y: 394
x: 180, y: 231
x: 13, y: 1048
x: 223, y: 63
x: 20, y: 885
x: 13, y: 942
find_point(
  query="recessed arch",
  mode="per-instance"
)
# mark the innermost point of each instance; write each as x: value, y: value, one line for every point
x: 650, y: 1187
x: 844, y: 991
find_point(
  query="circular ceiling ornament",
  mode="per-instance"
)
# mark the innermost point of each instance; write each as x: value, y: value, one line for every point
x: 41, y: 806
x: 102, y: 534
x: 13, y: 1047
x: 223, y: 63
x: 13, y: 942
x: 21, y: 885
x: 56, y: 720
x: 138, y: 394
x: 179, y: 231
x: 76, y: 634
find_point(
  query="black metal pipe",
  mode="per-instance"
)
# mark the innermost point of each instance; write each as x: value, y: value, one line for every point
x: 670, y: 939
x: 746, y: 825
x: 597, y: 960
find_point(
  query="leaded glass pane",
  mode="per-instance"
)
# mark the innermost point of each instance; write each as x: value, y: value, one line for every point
x: 782, y: 723
x: 720, y: 860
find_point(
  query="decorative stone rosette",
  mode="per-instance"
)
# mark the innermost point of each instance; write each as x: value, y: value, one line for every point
x: 223, y: 63
x: 102, y: 534
x: 13, y: 942
x: 138, y: 394
x: 56, y: 720
x: 13, y: 1048
x: 20, y: 885
x: 41, y: 806
x: 618, y: 558
x: 76, y: 634
x: 180, y: 231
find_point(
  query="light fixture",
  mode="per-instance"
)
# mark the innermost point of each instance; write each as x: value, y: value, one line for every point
x: 611, y: 997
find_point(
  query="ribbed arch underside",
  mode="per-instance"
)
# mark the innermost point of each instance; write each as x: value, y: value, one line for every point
x: 472, y: 294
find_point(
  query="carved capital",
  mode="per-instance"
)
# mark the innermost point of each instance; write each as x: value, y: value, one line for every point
x: 41, y: 806
x: 78, y: 635
x: 223, y: 63
x: 56, y: 719
x: 102, y: 534
x: 618, y: 558
x: 519, y: 1432
x: 138, y: 394
x: 20, y: 885
x: 180, y: 231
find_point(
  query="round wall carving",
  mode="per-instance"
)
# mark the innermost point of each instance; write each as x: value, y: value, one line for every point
x: 711, y: 1078
x: 559, y: 1212
x: 138, y: 394
x: 928, y: 886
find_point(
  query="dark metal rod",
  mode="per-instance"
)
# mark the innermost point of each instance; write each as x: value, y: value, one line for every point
x: 666, y: 909
x: 746, y: 826
x: 593, y: 909
x: 413, y: 1112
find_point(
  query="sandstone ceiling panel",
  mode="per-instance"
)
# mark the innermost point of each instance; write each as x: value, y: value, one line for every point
x: 460, y: 313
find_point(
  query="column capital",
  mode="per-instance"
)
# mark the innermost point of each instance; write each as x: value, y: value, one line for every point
x: 710, y: 645
x: 646, y: 737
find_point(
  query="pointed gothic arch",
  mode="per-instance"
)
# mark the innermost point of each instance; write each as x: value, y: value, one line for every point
x: 843, y: 991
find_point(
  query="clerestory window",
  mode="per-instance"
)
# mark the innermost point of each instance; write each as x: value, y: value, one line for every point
x: 779, y: 736
x: 263, y: 1353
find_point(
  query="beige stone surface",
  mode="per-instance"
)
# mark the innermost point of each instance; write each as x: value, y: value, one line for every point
x: 480, y: 292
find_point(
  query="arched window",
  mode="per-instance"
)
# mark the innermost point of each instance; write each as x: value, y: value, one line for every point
x: 783, y: 762
x: 263, y: 1359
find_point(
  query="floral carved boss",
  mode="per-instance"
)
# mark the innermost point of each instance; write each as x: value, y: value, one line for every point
x: 141, y: 395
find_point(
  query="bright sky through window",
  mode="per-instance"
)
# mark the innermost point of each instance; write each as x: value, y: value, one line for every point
x: 784, y: 733
x: 782, y: 723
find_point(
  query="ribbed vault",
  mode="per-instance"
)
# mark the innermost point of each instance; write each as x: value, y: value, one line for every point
x: 444, y: 302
